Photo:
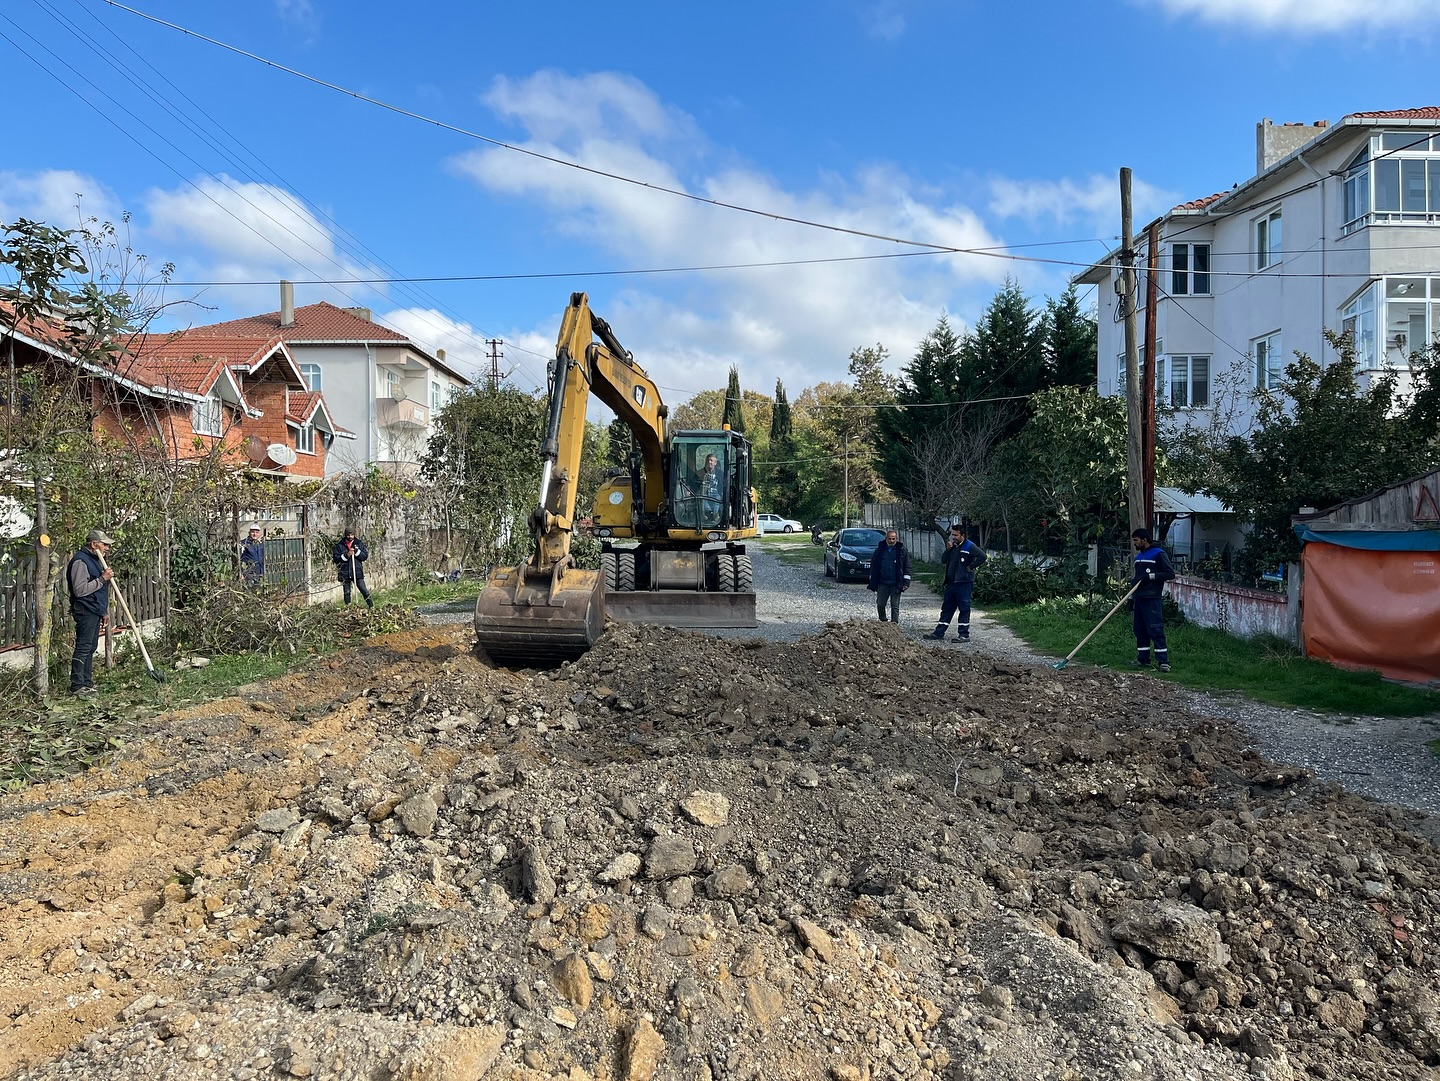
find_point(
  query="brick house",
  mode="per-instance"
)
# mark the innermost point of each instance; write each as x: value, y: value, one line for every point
x: 378, y: 383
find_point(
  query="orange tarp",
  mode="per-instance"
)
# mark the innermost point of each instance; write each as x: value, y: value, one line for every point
x: 1367, y: 609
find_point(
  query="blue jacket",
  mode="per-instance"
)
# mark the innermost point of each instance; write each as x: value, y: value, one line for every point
x: 899, y: 559
x: 252, y: 559
x: 1152, y: 571
x: 89, y: 592
x: 960, y: 563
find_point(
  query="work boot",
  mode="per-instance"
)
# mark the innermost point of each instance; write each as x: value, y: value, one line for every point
x: 963, y: 637
x: 1164, y: 667
x: 937, y: 634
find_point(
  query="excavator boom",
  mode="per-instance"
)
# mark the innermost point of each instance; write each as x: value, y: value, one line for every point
x: 686, y: 569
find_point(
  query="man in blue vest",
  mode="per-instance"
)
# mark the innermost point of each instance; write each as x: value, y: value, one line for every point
x: 960, y: 560
x: 1152, y: 571
x: 89, y: 585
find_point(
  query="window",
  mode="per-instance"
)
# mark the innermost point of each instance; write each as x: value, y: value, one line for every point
x: 437, y: 397
x: 313, y: 378
x: 1391, y: 319
x: 1395, y: 179
x: 1269, y: 361
x: 1189, y: 269
x: 1269, y: 242
x: 305, y: 439
x: 390, y: 384
x: 208, y: 417
x: 1190, y: 382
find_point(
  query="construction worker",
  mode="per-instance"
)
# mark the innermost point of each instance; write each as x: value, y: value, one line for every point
x: 1152, y: 571
x: 960, y: 560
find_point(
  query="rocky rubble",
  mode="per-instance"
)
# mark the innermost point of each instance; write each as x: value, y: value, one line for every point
x: 847, y: 857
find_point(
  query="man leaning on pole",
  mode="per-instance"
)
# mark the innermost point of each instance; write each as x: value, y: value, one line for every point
x: 88, y: 581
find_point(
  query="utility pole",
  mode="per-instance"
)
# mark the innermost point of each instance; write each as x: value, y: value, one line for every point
x: 1135, y: 487
x: 495, y: 355
x: 845, y: 521
x: 1151, y: 370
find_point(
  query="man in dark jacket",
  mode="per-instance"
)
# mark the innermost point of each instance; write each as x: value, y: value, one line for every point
x: 960, y: 561
x: 1152, y: 571
x: 349, y: 556
x: 89, y: 584
x: 252, y: 558
x: 889, y: 575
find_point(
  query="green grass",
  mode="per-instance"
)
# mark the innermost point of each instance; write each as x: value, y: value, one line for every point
x: 1434, y: 746
x: 1265, y: 669
x: 415, y: 594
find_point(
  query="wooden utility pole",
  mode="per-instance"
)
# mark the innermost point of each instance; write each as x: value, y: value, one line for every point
x: 1135, y: 489
x: 1151, y: 369
x: 845, y: 522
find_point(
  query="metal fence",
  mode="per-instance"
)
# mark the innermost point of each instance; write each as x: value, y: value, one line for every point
x: 287, y: 565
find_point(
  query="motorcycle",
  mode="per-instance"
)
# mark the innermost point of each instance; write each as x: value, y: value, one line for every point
x: 816, y: 534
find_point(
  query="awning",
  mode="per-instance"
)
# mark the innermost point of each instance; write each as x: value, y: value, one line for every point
x: 1372, y: 540
x: 1174, y: 501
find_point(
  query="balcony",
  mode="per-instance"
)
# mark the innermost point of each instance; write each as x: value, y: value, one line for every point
x: 401, y: 413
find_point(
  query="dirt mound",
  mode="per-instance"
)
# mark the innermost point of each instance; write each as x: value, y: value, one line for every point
x: 699, y: 858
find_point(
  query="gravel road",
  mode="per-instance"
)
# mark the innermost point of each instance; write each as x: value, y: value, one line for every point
x: 1384, y: 758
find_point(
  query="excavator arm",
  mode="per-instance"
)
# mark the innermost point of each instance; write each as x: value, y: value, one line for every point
x: 546, y: 609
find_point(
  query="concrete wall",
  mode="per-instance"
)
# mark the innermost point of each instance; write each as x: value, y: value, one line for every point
x: 1239, y: 610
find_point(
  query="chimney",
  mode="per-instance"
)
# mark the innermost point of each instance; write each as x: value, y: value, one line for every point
x: 440, y: 355
x: 287, y: 304
x: 1276, y: 141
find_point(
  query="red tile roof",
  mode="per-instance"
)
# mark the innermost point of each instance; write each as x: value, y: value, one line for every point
x: 313, y: 322
x: 300, y: 405
x: 1428, y: 112
x: 189, y: 345
x: 1201, y: 204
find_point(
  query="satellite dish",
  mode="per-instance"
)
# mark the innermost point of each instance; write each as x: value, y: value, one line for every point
x: 280, y: 454
x: 399, y: 393
x: 255, y: 449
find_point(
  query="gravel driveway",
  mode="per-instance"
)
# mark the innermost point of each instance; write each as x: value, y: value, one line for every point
x: 1384, y: 758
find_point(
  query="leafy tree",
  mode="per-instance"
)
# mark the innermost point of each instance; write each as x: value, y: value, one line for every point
x: 622, y: 443
x: 485, y: 446
x: 1323, y: 438
x: 704, y: 410
x: 1071, y: 342
x: 1062, y: 479
x: 780, y: 481
x: 734, y: 403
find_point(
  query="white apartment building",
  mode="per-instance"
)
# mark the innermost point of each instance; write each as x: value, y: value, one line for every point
x: 1339, y: 229
x: 378, y: 383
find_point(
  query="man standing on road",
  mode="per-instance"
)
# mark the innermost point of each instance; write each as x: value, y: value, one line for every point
x: 349, y: 556
x: 1152, y: 571
x: 252, y: 559
x: 89, y: 584
x: 889, y: 575
x: 960, y: 560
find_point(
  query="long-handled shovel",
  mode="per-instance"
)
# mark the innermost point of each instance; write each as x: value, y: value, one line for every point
x: 1122, y: 600
x: 130, y: 619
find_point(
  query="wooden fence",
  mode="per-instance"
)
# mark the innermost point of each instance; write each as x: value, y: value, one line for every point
x: 143, y: 593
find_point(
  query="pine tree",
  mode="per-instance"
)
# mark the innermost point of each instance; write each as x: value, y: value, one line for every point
x: 780, y: 418
x: 1071, y: 342
x: 734, y: 403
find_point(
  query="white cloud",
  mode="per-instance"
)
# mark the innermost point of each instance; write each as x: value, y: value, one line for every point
x: 59, y: 197
x: 300, y: 14
x: 1308, y: 15
x: 884, y: 20
x: 1093, y: 201
x: 796, y: 321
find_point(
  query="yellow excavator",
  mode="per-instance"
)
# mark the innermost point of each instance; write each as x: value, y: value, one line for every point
x: 670, y: 529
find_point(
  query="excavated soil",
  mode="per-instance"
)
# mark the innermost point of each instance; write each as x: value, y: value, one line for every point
x: 694, y: 858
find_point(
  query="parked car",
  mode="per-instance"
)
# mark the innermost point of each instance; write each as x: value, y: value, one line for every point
x: 847, y: 556
x: 773, y: 523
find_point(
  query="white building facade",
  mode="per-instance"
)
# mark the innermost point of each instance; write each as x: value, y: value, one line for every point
x: 1339, y: 230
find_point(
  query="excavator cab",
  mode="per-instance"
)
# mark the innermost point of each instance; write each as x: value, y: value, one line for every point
x: 711, y: 493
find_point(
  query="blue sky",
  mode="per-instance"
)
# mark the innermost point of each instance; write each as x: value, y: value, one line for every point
x: 961, y: 124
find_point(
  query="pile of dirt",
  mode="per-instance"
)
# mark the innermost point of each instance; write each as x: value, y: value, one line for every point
x: 695, y: 858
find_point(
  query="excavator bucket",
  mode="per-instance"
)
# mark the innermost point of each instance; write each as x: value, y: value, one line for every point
x: 682, y: 608
x: 531, y: 619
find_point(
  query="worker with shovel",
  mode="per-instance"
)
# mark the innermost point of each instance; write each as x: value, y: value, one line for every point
x: 1152, y: 571
x: 88, y: 579
x: 349, y: 556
